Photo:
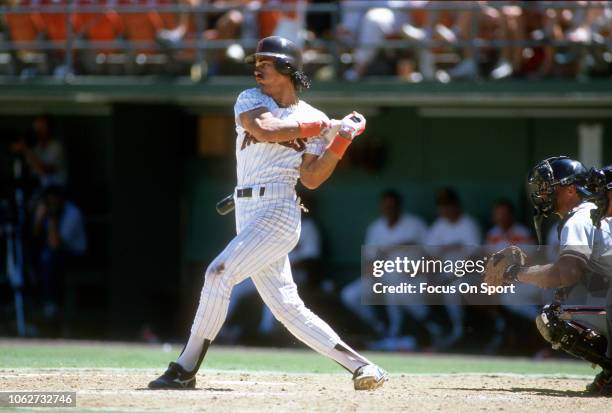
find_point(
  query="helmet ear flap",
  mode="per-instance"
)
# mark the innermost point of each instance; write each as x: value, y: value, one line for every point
x: 283, y: 67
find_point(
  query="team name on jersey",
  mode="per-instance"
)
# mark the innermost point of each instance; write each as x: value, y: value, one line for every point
x: 298, y: 145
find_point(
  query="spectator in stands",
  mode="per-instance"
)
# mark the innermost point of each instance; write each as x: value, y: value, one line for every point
x: 512, y: 28
x: 224, y: 26
x: 542, y: 21
x: 46, y: 158
x: 452, y: 235
x: 366, y: 29
x: 383, y: 236
x: 60, y: 231
x: 465, y: 29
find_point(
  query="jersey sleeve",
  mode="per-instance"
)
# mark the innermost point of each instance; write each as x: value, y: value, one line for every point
x: 316, y: 146
x: 575, y: 237
x: 248, y: 100
x: 472, y: 233
x: 421, y: 232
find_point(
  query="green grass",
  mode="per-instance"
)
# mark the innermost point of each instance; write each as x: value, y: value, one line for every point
x: 32, y: 354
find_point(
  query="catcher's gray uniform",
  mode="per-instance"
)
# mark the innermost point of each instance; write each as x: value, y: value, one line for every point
x: 580, y: 239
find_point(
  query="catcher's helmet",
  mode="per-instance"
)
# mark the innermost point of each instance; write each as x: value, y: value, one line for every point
x: 287, y: 56
x: 545, y: 177
x: 607, y: 172
x: 598, y: 183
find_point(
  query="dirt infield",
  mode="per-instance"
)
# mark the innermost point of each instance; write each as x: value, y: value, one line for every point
x: 122, y: 389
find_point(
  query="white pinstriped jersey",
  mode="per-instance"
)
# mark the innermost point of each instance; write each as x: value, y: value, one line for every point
x: 264, y: 162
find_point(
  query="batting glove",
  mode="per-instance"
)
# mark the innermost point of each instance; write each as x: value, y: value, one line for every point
x: 349, y: 127
x: 352, y: 125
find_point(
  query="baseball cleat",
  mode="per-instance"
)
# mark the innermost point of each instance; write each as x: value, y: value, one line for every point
x: 599, y: 382
x: 175, y: 378
x: 369, y: 377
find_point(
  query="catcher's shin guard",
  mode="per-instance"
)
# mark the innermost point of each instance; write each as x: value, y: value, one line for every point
x: 573, y: 337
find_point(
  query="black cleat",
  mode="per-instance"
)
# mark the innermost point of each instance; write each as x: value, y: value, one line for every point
x: 175, y: 378
x: 599, y: 382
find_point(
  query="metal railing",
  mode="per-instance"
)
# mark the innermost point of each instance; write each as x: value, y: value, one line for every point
x: 75, y: 42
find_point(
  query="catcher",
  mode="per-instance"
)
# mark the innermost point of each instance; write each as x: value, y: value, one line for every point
x: 561, y: 186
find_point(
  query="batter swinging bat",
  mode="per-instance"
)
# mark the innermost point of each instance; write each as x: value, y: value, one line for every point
x: 226, y: 205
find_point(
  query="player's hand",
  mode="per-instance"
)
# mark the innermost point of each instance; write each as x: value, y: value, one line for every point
x: 349, y: 127
x: 352, y: 125
x: 503, y: 266
x: 332, y: 129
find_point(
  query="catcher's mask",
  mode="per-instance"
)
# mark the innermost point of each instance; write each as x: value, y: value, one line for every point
x: 287, y: 59
x: 545, y: 177
x: 598, y: 183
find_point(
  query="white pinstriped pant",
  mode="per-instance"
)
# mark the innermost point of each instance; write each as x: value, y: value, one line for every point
x: 268, y: 228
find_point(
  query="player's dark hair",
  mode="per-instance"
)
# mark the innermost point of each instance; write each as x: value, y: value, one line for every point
x: 393, y: 194
x: 447, y: 196
x: 300, y: 80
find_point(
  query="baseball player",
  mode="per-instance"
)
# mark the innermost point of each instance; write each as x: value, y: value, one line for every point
x: 559, y: 185
x: 280, y: 138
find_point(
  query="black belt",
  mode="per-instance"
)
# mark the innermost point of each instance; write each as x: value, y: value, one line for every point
x: 248, y: 192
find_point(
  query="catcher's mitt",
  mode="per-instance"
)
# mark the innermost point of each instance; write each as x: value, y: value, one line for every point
x: 502, y: 266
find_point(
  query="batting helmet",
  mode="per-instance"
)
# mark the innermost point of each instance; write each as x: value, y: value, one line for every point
x: 287, y: 58
x: 545, y: 177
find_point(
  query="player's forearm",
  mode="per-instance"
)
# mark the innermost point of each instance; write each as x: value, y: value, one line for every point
x: 541, y: 276
x: 317, y: 171
x: 275, y: 130
x: 280, y: 130
x: 563, y: 273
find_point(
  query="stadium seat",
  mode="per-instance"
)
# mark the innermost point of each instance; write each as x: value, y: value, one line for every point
x: 100, y: 27
x: 142, y: 27
x: 25, y: 27
x: 55, y: 23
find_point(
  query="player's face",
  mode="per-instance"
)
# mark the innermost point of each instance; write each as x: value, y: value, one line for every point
x: 449, y: 211
x: 566, y: 198
x: 265, y: 72
x: 390, y: 208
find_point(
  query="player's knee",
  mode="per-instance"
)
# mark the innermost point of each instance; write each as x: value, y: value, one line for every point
x: 218, y: 277
x: 552, y: 327
x: 545, y: 328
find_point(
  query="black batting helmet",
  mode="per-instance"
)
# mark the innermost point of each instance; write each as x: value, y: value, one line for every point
x: 545, y: 177
x: 287, y: 58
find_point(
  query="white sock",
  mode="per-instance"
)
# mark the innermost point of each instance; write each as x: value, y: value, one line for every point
x: 190, y: 356
x: 348, y: 358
